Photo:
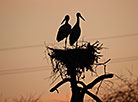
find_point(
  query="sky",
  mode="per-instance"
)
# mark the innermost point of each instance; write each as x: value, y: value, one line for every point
x: 26, y: 24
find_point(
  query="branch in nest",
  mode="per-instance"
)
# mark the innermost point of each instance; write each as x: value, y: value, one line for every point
x: 104, y: 64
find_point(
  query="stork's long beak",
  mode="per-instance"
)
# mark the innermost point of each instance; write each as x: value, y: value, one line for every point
x: 82, y: 18
x: 63, y: 21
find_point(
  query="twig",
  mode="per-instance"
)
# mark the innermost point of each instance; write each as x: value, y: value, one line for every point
x: 98, y: 88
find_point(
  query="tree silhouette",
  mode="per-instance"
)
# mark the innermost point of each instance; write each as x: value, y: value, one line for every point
x: 71, y: 64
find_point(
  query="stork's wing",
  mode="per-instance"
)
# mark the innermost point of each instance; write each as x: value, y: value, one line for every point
x: 74, y: 35
x: 63, y: 32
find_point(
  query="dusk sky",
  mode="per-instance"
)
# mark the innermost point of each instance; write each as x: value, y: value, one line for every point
x: 26, y: 24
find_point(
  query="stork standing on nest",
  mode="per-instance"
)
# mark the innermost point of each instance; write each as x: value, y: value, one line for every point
x: 76, y: 31
x: 64, y: 30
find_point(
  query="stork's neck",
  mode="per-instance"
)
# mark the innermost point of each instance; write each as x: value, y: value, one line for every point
x: 78, y: 21
x: 67, y: 21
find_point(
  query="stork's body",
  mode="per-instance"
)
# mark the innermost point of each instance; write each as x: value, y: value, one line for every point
x: 64, y: 30
x: 76, y: 31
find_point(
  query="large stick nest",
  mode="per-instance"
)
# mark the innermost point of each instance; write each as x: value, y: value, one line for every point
x: 78, y: 59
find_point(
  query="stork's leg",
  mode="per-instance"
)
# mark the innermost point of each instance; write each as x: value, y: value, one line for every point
x: 66, y: 43
x: 76, y: 44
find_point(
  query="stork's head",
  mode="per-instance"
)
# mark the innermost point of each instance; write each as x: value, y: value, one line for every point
x: 79, y: 15
x: 65, y: 19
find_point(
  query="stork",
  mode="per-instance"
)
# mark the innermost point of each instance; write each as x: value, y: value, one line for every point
x: 75, y: 31
x: 64, y: 30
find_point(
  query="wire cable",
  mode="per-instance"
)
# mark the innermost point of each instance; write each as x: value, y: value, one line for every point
x: 124, y: 59
x: 24, y: 70
x: 114, y: 37
x: 42, y: 45
x: 44, y: 68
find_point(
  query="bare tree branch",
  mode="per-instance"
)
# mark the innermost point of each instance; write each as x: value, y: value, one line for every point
x: 100, y: 78
x: 93, y: 96
x: 59, y: 84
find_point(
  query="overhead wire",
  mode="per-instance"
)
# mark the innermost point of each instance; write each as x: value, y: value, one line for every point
x: 114, y: 37
x: 21, y: 47
x: 124, y: 59
x: 44, y: 68
x: 41, y: 45
x: 23, y: 70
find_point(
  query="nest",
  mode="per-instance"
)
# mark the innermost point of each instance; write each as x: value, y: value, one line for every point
x: 84, y: 57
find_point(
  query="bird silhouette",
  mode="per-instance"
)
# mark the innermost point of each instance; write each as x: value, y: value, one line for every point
x: 75, y: 31
x: 64, y: 30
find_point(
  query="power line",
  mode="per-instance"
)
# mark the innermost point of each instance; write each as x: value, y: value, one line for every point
x: 114, y: 37
x: 43, y: 68
x: 28, y: 46
x: 23, y: 70
x: 29, y: 71
x: 21, y: 47
x: 124, y: 59
x: 42, y: 45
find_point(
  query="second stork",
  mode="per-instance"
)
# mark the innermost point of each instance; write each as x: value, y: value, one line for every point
x: 76, y: 31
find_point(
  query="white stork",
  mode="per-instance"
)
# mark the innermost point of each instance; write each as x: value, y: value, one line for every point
x: 75, y: 31
x: 64, y: 30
